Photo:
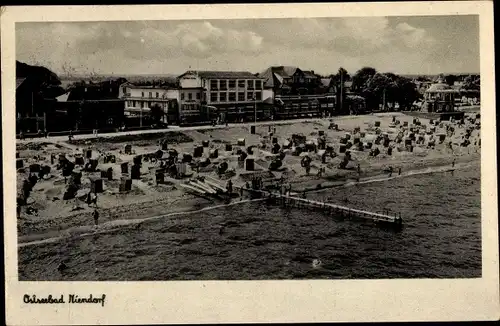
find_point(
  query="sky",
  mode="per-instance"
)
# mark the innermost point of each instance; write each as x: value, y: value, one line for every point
x: 403, y: 45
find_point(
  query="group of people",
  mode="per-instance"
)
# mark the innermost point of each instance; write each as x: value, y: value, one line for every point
x: 391, y: 170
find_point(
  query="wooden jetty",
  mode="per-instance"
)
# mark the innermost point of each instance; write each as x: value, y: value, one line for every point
x: 342, y: 210
x: 328, y: 208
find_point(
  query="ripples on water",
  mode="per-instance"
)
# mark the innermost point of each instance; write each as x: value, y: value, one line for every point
x: 441, y: 239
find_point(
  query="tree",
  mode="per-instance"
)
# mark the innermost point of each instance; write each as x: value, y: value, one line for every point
x: 361, y: 77
x: 423, y: 79
x: 395, y: 89
x: 450, y: 79
x: 375, y: 88
x: 472, y: 82
x: 337, y: 80
x: 407, y: 93
x: 439, y: 78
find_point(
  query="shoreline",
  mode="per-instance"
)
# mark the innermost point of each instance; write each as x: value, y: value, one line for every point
x: 146, y: 198
x: 350, y: 176
x: 53, y: 235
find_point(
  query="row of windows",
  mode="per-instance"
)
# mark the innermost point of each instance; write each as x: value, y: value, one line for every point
x: 231, y: 84
x: 231, y: 96
x: 190, y: 96
x: 151, y: 94
x: 143, y: 104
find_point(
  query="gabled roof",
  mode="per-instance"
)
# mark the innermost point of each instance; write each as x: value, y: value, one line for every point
x: 19, y: 81
x: 268, y: 100
x: 63, y: 98
x: 274, y: 75
x: 309, y: 74
x: 326, y: 82
x: 437, y: 87
x: 288, y: 71
x: 278, y: 78
x: 223, y: 74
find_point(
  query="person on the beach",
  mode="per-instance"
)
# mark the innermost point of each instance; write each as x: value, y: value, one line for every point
x: 89, y: 198
x: 39, y: 133
x: 241, y: 192
x: 95, y: 215
x: 390, y: 171
x: 399, y: 171
x: 62, y: 267
x: 304, y: 194
x: 45, y: 133
x: 453, y: 163
x: 230, y: 187
x: 70, y: 136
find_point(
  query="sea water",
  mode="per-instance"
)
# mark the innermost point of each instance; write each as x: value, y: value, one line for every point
x: 441, y: 238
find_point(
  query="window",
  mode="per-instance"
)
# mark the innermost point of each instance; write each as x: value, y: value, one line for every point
x: 214, y: 84
x: 250, y: 96
x: 232, y: 84
x: 223, y: 84
x: 241, y: 96
x: 182, y: 96
x: 258, y: 84
x: 142, y: 94
x: 157, y: 94
x: 197, y: 96
x: 150, y: 94
x: 250, y: 84
x: 232, y: 97
x: 241, y: 83
x: 124, y: 90
x: 213, y: 97
x: 258, y: 96
x: 134, y: 104
x: 190, y: 96
x: 223, y: 97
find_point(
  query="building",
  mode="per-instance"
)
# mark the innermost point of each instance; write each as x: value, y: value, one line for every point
x: 289, y: 80
x: 87, y: 106
x: 140, y: 99
x: 228, y: 95
x: 441, y: 97
x: 281, y: 78
x: 36, y: 89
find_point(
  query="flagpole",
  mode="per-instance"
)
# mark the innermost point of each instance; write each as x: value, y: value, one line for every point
x: 341, y: 90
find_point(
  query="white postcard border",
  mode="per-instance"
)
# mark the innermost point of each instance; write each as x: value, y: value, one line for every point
x: 258, y: 301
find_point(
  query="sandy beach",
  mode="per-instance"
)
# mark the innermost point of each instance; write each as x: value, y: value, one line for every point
x: 55, y: 216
